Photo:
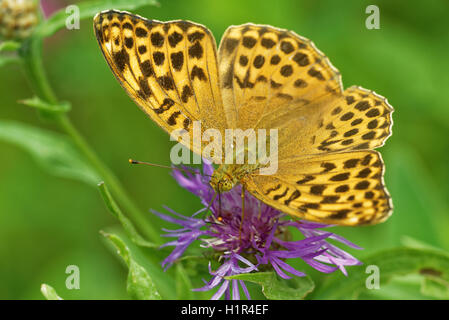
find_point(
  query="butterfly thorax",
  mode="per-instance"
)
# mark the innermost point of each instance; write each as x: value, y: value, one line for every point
x: 227, y: 176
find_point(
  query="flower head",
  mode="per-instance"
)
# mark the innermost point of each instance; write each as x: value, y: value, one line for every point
x: 258, y: 238
x: 18, y: 18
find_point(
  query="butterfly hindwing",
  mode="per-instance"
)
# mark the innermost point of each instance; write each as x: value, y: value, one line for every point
x: 359, y: 119
x: 344, y: 188
x: 168, y: 68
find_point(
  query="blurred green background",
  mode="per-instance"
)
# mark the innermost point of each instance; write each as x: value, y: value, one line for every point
x: 48, y: 223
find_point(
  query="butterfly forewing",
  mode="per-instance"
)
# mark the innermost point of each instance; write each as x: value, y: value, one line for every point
x: 168, y: 68
x: 268, y: 72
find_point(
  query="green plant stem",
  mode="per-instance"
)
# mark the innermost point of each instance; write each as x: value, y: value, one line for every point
x: 31, y: 52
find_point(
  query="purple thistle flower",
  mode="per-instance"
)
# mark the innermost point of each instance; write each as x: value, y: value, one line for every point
x: 229, y: 268
x: 262, y: 237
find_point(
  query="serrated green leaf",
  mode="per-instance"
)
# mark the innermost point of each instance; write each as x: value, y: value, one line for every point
x: 9, y: 45
x: 140, y: 286
x: 275, y: 288
x: 53, y: 151
x: 126, y: 223
x: 428, y: 263
x: 87, y: 9
x: 49, y: 293
x: 37, y: 103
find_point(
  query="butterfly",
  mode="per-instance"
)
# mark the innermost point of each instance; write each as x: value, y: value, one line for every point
x: 260, y: 77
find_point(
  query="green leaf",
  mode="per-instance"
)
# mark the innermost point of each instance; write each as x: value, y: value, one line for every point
x: 9, y: 59
x: 411, y: 242
x: 183, y: 284
x: 419, y: 203
x: 279, y: 289
x: 140, y: 286
x: 431, y: 264
x: 126, y: 223
x: 37, y: 103
x: 87, y: 9
x: 435, y: 288
x: 53, y: 151
x: 9, y: 45
x: 49, y: 293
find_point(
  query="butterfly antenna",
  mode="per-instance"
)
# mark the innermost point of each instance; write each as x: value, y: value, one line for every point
x: 166, y: 167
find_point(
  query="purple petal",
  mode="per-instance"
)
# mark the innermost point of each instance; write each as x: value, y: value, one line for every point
x: 208, y: 168
x: 220, y: 291
x: 278, y: 269
x: 245, y: 289
x: 345, y: 241
x: 235, y: 290
x: 289, y: 268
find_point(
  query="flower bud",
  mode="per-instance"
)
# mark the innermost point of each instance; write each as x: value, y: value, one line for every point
x: 17, y: 18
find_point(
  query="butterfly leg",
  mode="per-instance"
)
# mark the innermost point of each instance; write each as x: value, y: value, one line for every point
x: 219, y: 204
x: 243, y: 212
x: 209, y: 205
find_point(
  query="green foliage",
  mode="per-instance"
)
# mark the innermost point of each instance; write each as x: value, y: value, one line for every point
x: 49, y: 293
x: 275, y: 288
x: 431, y: 264
x: 53, y: 151
x: 37, y: 103
x: 9, y: 58
x: 183, y: 284
x: 88, y: 9
x: 126, y: 223
x: 6, y: 60
x: 435, y: 287
x: 140, y: 286
x: 9, y: 45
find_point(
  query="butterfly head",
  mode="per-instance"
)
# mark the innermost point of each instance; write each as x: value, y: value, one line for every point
x: 221, y: 182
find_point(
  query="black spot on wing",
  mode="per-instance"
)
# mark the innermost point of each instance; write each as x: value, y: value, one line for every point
x: 186, y: 93
x: 177, y: 60
x: 198, y: 72
x: 295, y: 194
x: 249, y: 42
x: 147, y: 68
x: 172, y: 119
x: 174, y: 39
x: 196, y: 51
x: 140, y: 32
x: 157, y: 39
x: 158, y: 57
x: 195, y: 36
x: 231, y: 44
x: 121, y: 59
x: 166, y: 82
x: 166, y: 105
x: 301, y: 59
x: 267, y: 43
